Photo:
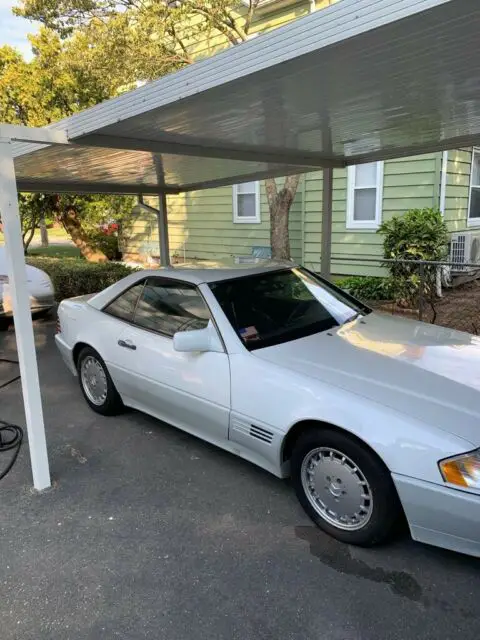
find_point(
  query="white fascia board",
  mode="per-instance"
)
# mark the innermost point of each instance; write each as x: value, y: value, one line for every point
x: 38, y: 135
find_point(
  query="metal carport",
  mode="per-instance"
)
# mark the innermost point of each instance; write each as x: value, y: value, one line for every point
x: 363, y: 80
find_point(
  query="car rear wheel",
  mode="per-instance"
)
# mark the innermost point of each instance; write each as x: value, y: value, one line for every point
x: 344, y: 487
x: 96, y: 384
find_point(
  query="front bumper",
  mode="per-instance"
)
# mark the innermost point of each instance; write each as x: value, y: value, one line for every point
x: 441, y: 516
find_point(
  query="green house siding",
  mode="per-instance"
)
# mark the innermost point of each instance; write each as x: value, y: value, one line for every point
x: 457, y: 189
x: 201, y: 223
x: 407, y: 183
x: 201, y: 227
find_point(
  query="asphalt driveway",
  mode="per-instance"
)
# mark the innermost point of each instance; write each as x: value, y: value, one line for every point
x: 151, y: 533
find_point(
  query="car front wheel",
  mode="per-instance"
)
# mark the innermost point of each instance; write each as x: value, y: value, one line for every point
x: 96, y: 383
x: 344, y: 487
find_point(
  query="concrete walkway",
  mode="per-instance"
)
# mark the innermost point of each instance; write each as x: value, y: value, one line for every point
x: 149, y: 533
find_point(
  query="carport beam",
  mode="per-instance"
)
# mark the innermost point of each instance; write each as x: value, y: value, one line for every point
x: 162, y: 217
x: 326, y: 257
x: 27, y: 356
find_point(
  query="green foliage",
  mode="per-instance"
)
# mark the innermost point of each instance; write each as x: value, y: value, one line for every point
x: 107, y: 244
x: 75, y: 277
x: 367, y: 287
x: 57, y: 82
x: 136, y: 40
x: 419, y: 234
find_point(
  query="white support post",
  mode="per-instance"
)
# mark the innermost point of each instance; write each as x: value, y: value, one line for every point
x: 162, y: 217
x: 27, y: 356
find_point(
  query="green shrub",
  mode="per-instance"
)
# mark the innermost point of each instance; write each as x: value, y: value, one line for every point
x: 74, y: 277
x: 367, y: 287
x: 419, y: 234
x: 106, y: 243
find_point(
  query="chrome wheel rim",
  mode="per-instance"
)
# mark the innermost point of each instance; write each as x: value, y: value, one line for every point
x: 94, y: 380
x: 337, y: 489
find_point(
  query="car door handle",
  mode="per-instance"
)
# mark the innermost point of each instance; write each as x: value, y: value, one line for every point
x: 127, y: 344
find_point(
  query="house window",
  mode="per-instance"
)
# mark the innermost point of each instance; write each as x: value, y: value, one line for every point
x: 246, y: 202
x: 364, y: 195
x: 474, y: 199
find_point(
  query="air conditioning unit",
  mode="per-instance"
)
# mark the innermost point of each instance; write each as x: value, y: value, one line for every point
x: 247, y: 260
x: 464, y: 249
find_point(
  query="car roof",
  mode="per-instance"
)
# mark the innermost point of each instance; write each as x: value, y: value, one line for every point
x: 210, y: 271
x: 193, y: 272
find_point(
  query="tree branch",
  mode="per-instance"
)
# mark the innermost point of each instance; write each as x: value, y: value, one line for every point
x: 223, y: 26
x: 252, y: 6
x: 187, y: 58
x: 291, y: 184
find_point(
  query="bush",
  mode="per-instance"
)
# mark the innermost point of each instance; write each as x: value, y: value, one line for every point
x: 419, y: 234
x: 367, y: 287
x: 106, y: 243
x: 74, y: 277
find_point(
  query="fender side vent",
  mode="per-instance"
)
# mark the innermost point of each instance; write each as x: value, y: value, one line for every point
x: 261, y: 434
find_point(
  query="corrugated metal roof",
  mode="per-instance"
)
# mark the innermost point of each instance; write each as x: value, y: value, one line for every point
x: 359, y: 81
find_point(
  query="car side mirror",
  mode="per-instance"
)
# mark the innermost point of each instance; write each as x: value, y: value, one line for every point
x: 200, y: 340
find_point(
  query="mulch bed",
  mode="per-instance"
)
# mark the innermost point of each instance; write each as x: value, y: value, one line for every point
x: 458, y: 309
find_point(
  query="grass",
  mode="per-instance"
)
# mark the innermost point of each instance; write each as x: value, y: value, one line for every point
x: 55, y: 234
x: 56, y: 251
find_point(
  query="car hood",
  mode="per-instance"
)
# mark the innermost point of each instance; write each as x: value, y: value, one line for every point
x: 428, y: 372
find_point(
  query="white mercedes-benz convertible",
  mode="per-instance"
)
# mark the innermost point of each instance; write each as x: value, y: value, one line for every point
x: 370, y: 415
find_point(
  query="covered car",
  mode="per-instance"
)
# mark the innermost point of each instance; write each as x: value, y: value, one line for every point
x: 40, y: 288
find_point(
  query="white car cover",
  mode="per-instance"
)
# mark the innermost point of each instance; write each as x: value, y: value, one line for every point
x: 40, y: 288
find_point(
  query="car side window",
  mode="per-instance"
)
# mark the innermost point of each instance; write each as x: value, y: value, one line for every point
x: 124, y: 305
x: 167, y: 307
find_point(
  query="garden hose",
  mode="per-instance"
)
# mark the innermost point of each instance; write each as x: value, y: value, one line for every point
x: 11, y: 438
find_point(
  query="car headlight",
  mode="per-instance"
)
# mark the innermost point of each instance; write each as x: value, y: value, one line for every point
x: 463, y: 470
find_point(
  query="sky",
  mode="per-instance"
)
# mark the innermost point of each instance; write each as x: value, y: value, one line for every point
x: 13, y: 30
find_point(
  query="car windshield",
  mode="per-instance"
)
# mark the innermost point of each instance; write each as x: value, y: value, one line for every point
x: 275, y: 307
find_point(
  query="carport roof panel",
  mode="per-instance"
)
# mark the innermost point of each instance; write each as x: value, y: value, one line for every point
x: 361, y: 80
x: 82, y: 169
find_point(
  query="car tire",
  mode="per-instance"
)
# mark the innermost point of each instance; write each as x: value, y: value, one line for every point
x: 5, y: 324
x: 97, y: 385
x: 344, y: 487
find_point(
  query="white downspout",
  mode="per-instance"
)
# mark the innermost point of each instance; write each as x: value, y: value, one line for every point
x: 443, y: 182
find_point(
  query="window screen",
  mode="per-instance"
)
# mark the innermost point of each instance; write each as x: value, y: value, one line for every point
x: 365, y: 193
x: 246, y: 202
x: 168, y: 307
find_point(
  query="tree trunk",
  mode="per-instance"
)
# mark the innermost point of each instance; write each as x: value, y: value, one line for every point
x: 28, y: 237
x: 43, y: 232
x: 73, y: 226
x: 279, y: 204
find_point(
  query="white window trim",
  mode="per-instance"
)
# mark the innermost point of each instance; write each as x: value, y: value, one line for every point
x: 364, y: 224
x: 472, y: 222
x: 256, y: 219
